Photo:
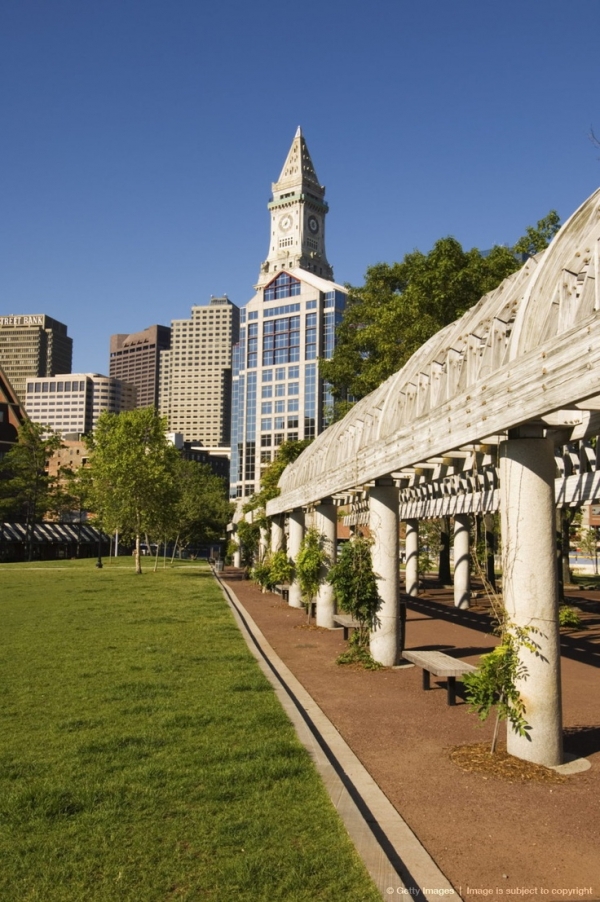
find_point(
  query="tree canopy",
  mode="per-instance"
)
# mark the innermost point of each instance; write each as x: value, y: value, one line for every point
x: 401, y: 305
x: 202, y: 508
x: 141, y: 486
x: 133, y: 468
x: 27, y: 492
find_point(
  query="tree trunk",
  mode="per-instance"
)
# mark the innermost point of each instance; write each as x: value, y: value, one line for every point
x: 138, y: 561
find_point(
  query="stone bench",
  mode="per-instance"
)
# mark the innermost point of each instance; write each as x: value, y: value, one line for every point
x: 439, y: 664
x: 347, y: 622
x: 283, y: 589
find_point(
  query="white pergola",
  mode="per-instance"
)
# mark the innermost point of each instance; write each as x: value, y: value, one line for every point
x: 471, y: 424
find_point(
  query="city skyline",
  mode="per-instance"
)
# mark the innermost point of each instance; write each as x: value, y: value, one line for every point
x: 139, y: 145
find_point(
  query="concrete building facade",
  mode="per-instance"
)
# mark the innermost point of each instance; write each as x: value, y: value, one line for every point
x: 289, y: 323
x: 195, y: 374
x: 71, y: 404
x: 135, y: 359
x: 33, y: 345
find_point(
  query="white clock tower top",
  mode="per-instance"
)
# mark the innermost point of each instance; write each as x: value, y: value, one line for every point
x: 298, y: 212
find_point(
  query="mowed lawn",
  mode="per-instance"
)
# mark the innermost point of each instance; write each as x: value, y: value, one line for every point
x: 143, y: 754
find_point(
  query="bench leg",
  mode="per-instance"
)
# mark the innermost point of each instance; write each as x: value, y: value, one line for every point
x: 426, y: 684
x: 345, y: 634
x: 451, y: 690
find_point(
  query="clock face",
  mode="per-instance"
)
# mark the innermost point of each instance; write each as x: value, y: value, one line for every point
x: 285, y: 223
x: 313, y: 224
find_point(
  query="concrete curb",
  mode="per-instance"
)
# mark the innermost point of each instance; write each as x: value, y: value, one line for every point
x: 396, y: 860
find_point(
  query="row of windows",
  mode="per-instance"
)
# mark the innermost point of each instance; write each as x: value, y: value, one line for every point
x: 36, y: 387
x: 279, y: 406
x: 281, y: 389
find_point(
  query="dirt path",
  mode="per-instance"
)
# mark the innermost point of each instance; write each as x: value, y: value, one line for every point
x: 516, y: 839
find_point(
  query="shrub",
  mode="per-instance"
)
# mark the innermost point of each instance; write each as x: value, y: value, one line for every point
x: 569, y: 617
x: 355, y: 585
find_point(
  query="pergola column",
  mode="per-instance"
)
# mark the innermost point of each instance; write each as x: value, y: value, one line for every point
x: 462, y: 578
x: 276, y: 534
x: 412, y: 557
x: 295, y: 535
x: 383, y: 524
x: 326, y: 523
x: 263, y: 544
x: 527, y: 506
x: 237, y: 554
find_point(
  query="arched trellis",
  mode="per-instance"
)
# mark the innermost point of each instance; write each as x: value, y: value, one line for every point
x: 516, y: 376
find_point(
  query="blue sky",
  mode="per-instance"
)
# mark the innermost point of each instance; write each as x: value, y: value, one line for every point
x: 139, y: 140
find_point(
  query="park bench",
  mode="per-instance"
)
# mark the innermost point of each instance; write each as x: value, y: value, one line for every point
x: 346, y: 622
x: 283, y: 589
x: 439, y: 664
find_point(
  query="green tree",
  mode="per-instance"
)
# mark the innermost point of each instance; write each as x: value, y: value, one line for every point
x: 537, y: 239
x: 203, y: 509
x: 134, y: 474
x: 355, y: 585
x: 27, y: 492
x: 309, y: 561
x: 402, y: 305
x: 286, y: 454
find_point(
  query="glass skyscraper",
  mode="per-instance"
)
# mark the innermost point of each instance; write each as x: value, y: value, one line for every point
x: 289, y: 323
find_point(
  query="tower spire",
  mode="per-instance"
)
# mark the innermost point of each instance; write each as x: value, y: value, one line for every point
x: 298, y: 210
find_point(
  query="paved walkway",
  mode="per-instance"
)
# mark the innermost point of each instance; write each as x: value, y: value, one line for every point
x: 487, y: 836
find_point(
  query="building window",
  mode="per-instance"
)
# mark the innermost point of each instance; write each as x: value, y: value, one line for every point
x: 281, y: 340
x: 284, y: 286
x: 311, y: 336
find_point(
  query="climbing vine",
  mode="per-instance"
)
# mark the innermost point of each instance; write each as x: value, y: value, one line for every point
x: 309, y: 561
x: 355, y: 587
x: 494, y: 683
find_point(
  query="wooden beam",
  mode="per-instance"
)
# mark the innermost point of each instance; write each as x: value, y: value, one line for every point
x: 562, y: 372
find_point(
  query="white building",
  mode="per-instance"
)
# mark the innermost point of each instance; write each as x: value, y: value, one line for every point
x: 70, y: 404
x: 289, y: 323
x: 195, y: 374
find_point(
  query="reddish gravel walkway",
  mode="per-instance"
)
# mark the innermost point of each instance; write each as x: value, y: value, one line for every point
x: 511, y: 839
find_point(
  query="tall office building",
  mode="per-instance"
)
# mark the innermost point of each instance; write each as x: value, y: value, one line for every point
x: 33, y: 345
x: 288, y: 324
x: 135, y: 359
x: 71, y: 405
x: 195, y: 374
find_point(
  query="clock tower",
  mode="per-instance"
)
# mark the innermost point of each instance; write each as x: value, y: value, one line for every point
x: 298, y: 209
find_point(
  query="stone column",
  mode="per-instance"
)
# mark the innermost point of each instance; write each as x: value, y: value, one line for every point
x: 527, y: 506
x: 263, y: 544
x: 462, y: 578
x: 383, y: 523
x: 276, y: 534
x: 295, y: 534
x: 412, y: 557
x: 326, y: 523
x: 237, y: 554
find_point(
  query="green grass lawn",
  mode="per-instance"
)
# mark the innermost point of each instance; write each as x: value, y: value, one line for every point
x: 143, y: 754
